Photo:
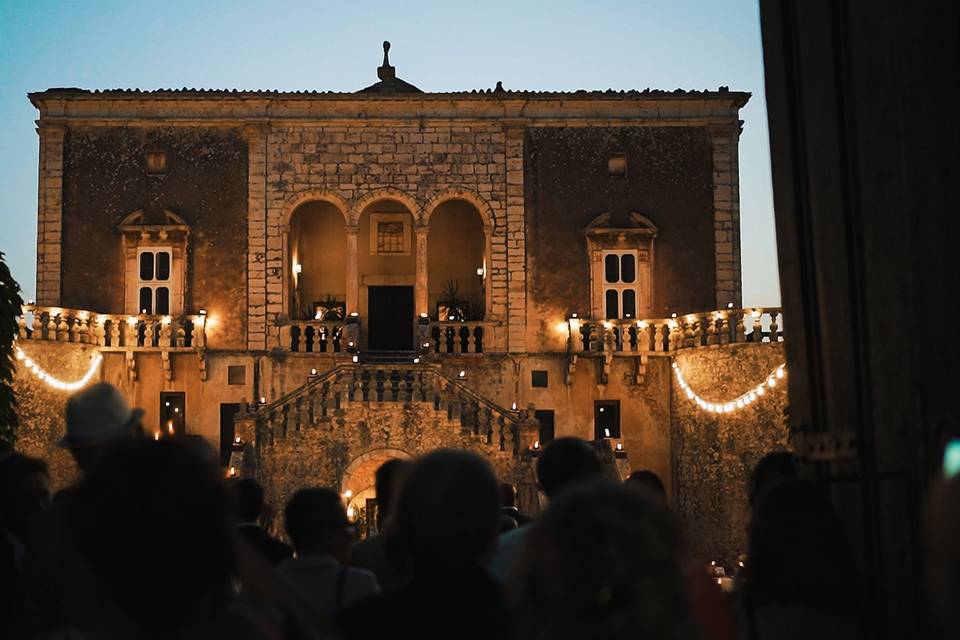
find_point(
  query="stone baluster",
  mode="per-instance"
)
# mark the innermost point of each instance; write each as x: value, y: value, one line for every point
x: 757, y: 335
x: 486, y: 425
x: 148, y: 332
x: 643, y: 337
x: 471, y: 339
x: 774, y: 327
x: 22, y: 325
x: 84, y: 334
x: 57, y: 331
x: 712, y: 320
x: 199, y: 339
x: 723, y: 328
x: 115, y: 332
x: 740, y: 331
x: 73, y: 330
x: 394, y: 385
x: 502, y: 435
x: 179, y: 333
x: 658, y: 336
x: 676, y: 336
x: 166, y: 330
x: 37, y: 326
x: 458, y: 340
x: 688, y: 331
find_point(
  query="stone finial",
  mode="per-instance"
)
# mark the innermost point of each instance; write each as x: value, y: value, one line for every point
x: 385, y: 71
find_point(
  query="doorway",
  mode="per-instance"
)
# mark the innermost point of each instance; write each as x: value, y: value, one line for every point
x: 227, y: 430
x: 390, y: 318
x: 173, y: 413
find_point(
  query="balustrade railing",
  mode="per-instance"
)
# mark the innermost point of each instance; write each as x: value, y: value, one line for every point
x: 321, y: 336
x: 337, y: 388
x: 454, y: 337
x: 726, y: 326
x: 57, y: 324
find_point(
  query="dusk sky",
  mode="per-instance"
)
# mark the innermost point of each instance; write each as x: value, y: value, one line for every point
x: 438, y: 46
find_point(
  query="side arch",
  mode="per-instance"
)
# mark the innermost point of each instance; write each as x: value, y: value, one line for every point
x: 303, y: 197
x: 486, y: 211
x: 388, y: 193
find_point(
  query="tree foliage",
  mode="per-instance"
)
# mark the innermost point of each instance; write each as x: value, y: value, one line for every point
x: 10, y: 308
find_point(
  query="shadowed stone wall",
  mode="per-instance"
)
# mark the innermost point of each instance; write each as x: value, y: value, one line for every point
x: 713, y: 454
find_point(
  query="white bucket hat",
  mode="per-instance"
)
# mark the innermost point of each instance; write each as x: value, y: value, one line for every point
x: 97, y: 414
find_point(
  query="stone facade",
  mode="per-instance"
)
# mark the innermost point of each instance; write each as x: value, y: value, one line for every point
x: 537, y: 171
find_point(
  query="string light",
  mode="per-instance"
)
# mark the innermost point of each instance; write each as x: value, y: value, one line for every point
x: 740, y: 401
x: 51, y: 380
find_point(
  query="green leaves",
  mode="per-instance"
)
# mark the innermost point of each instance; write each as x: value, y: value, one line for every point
x: 10, y: 308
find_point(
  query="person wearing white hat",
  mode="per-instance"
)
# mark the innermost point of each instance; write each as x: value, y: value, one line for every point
x: 59, y: 588
x: 96, y: 418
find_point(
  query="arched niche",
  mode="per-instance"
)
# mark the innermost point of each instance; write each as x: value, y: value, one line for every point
x: 457, y: 258
x: 317, y: 257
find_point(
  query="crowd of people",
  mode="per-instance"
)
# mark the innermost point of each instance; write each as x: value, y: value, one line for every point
x: 153, y: 542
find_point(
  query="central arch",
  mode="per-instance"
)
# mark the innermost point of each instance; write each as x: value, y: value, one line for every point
x: 358, y: 483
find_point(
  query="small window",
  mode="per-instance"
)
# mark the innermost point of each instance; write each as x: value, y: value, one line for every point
x: 163, y: 265
x: 390, y: 237
x: 617, y: 165
x: 606, y: 419
x: 538, y: 379
x: 236, y: 374
x: 162, y: 295
x: 156, y: 162
x: 620, y: 284
x: 613, y: 303
x: 146, y: 300
x: 611, y: 268
x: 146, y: 265
x: 628, y: 267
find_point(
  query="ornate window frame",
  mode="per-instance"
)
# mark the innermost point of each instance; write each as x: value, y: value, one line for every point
x: 375, y: 220
x: 604, y: 240
x: 138, y: 237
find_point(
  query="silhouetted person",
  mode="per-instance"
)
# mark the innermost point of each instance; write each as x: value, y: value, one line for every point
x: 246, y: 503
x: 376, y: 553
x: 769, y: 470
x: 59, y: 589
x: 321, y: 533
x: 446, y: 522
x: 648, y: 481
x: 152, y: 520
x: 564, y: 463
x: 24, y: 492
x: 943, y: 560
x: 800, y: 581
x: 604, y: 562
x: 508, y: 498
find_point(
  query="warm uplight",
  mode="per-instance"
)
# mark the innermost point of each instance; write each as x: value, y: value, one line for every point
x: 356, y: 358
x: 480, y: 271
x: 232, y: 473
x: 297, y: 268
x: 536, y: 444
x: 514, y: 406
x: 608, y: 325
x: 462, y: 374
x: 237, y: 440
x: 170, y: 427
x: 350, y: 512
x: 203, y: 312
x: 131, y: 320
x: 642, y: 324
x: 606, y: 433
x: 313, y: 372
x: 348, y: 494
x: 619, y: 446
x: 561, y: 327
x: 416, y: 361
x: 263, y: 400
x: 729, y: 305
x: 354, y: 315
x: 423, y: 315
x: 156, y: 435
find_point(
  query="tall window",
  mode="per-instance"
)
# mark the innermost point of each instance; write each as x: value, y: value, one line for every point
x: 620, y: 284
x: 153, y: 280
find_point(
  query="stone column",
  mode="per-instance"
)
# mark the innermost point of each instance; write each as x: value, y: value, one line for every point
x: 353, y: 270
x: 50, y: 213
x: 726, y: 208
x: 421, y: 290
x: 516, y: 245
x: 256, y: 136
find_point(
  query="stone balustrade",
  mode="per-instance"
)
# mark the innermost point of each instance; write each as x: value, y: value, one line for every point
x: 453, y: 338
x: 492, y: 426
x: 664, y: 336
x: 321, y: 336
x: 112, y: 331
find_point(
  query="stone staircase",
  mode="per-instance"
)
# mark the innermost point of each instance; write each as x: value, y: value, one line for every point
x: 311, y: 435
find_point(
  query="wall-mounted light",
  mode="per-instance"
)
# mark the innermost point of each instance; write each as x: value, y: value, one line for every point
x: 462, y: 374
x: 203, y: 312
x: 356, y: 359
x: 297, y: 268
x: 313, y: 372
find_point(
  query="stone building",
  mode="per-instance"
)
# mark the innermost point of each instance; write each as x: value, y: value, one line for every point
x: 317, y: 281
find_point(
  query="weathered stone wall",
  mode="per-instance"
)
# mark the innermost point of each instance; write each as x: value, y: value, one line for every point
x: 714, y: 453
x: 105, y: 179
x: 42, y: 408
x: 320, y: 455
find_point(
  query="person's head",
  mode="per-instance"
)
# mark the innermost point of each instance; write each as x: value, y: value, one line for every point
x: 387, y: 480
x: 447, y: 513
x: 771, y: 469
x: 508, y: 495
x: 648, y: 481
x: 97, y: 419
x: 24, y: 490
x: 317, y: 523
x: 566, y: 462
x: 151, y: 519
x: 246, y: 499
x: 604, y: 561
x: 798, y: 551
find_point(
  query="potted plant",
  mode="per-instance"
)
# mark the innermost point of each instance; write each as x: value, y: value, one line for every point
x: 451, y: 305
x: 330, y: 309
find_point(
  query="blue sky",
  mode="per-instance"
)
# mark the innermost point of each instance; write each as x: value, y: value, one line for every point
x: 437, y: 45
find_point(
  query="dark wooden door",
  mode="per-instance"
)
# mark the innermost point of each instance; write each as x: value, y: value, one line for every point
x: 227, y: 431
x: 390, y: 318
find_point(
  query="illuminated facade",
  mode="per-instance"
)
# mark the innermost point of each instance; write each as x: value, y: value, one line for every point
x: 336, y: 278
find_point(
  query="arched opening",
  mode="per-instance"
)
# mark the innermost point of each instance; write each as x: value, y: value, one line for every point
x: 457, y: 264
x: 386, y: 269
x: 357, y: 487
x: 318, y: 262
